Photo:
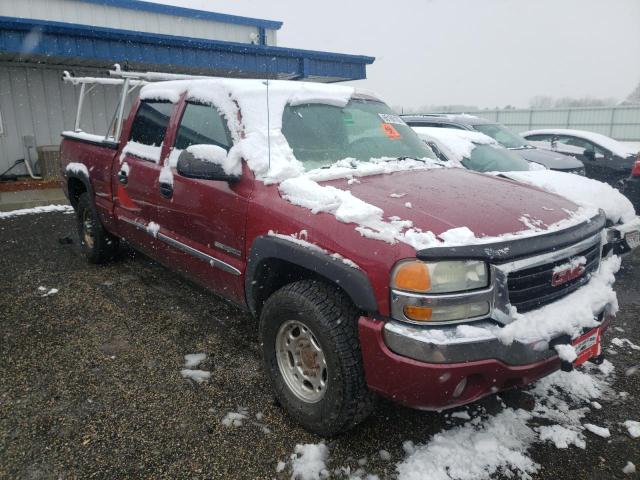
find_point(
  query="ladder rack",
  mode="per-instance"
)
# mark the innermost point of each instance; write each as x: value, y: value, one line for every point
x: 128, y: 81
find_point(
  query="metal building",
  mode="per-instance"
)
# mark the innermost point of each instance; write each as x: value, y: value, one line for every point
x: 41, y: 38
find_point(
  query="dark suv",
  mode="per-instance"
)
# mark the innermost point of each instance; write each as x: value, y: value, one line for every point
x: 505, y: 137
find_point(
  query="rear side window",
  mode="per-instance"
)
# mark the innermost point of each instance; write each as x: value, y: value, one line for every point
x: 150, y: 124
x: 202, y: 124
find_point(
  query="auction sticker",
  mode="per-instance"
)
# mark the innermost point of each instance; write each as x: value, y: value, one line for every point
x: 390, y: 131
x: 587, y: 346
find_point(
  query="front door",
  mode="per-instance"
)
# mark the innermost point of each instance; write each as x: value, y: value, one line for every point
x: 205, y: 219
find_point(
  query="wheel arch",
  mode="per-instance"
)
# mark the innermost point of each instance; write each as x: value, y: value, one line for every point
x: 275, y: 262
x: 77, y: 184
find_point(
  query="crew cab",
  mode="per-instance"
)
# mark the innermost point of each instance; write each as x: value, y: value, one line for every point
x: 373, y: 268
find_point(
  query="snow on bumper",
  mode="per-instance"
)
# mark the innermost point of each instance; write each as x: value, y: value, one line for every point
x: 446, y: 366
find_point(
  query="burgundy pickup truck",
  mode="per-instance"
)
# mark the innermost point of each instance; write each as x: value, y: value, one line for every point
x: 319, y: 211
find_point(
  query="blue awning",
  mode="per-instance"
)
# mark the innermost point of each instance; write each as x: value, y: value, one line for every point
x: 88, y: 46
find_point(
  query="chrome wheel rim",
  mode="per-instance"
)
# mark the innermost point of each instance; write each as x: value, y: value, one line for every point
x: 301, y: 361
x: 87, y: 229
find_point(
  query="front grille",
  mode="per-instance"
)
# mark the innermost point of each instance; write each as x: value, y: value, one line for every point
x: 531, y: 288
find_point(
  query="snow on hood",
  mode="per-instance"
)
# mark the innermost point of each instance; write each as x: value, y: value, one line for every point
x: 614, y: 146
x: 581, y: 190
x: 257, y: 136
x: 435, y: 219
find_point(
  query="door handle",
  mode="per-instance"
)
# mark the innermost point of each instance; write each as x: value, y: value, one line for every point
x: 122, y: 177
x: 166, y: 190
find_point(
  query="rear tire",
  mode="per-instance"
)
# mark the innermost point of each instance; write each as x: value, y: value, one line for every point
x: 311, y: 351
x: 96, y: 243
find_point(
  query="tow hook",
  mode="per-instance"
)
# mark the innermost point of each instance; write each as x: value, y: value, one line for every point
x: 562, y: 340
x: 597, y: 360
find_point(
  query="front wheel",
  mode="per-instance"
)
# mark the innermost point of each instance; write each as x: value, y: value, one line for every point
x: 96, y: 243
x: 312, y: 355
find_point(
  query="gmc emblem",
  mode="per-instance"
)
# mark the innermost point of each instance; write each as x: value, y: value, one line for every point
x: 563, y: 276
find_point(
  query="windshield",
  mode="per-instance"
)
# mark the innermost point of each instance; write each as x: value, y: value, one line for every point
x: 487, y: 158
x: 502, y: 135
x: 321, y: 134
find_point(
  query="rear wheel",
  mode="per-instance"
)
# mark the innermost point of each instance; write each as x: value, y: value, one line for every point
x: 312, y: 354
x: 96, y: 243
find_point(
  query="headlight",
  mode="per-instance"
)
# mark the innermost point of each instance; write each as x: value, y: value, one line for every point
x: 440, y: 277
x: 440, y: 292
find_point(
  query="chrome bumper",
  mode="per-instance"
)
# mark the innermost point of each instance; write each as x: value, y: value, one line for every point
x: 445, y: 344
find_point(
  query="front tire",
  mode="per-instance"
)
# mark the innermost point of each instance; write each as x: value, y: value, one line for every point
x: 311, y: 352
x: 96, y: 243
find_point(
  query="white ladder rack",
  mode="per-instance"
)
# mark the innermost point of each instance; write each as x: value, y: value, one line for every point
x: 128, y: 81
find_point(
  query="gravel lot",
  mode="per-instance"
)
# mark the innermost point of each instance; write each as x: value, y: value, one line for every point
x: 90, y: 383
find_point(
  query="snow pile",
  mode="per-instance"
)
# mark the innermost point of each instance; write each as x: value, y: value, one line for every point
x: 166, y: 175
x: 77, y: 168
x: 569, y: 315
x: 91, y: 137
x: 633, y: 428
x: 198, y: 376
x: 561, y: 436
x: 34, y: 210
x: 600, y: 431
x: 498, y: 444
x: 235, y: 419
x: 458, y: 143
x: 218, y: 155
x: 140, y: 150
x: 624, y: 342
x: 192, y: 360
x: 153, y: 228
x: 351, y: 169
x: 47, y: 293
x: 629, y: 468
x: 470, y: 452
x: 309, y: 462
x: 580, y: 190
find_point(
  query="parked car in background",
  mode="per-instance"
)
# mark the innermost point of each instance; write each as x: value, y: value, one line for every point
x: 504, y: 136
x: 372, y: 267
x: 476, y: 151
x: 604, y: 158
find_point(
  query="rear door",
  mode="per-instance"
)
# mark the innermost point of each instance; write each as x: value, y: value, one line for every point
x: 137, y: 173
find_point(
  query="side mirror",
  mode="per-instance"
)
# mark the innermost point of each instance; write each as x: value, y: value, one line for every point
x: 205, y: 164
x: 589, y: 154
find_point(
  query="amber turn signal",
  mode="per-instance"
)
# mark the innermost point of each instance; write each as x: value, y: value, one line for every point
x: 421, y: 314
x: 412, y: 276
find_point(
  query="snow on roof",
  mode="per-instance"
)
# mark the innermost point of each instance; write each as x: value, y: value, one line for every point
x: 614, y: 146
x: 257, y: 136
x: 460, y: 143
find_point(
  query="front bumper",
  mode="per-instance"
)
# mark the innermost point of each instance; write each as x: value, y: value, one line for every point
x: 411, y: 366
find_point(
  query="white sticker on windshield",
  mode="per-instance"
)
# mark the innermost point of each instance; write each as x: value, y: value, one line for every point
x: 390, y: 118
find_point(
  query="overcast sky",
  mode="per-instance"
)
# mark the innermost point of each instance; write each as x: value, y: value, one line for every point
x: 476, y: 52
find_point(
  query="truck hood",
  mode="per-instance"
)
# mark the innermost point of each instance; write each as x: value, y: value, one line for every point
x: 440, y: 199
x: 552, y: 160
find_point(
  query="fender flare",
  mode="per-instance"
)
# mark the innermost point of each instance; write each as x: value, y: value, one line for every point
x: 352, y: 280
x: 78, y: 176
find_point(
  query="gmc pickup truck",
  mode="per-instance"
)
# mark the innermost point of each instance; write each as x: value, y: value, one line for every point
x: 372, y: 267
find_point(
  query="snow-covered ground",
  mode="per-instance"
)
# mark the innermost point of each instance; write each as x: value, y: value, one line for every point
x: 484, y: 444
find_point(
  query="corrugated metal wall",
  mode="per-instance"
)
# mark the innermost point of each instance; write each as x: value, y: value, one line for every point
x: 34, y: 101
x: 70, y: 11
x: 621, y: 122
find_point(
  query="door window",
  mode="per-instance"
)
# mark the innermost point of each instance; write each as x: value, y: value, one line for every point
x: 579, y: 145
x: 150, y: 124
x: 202, y: 124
